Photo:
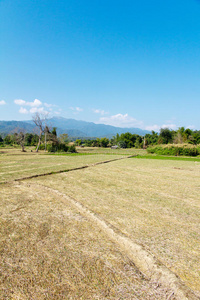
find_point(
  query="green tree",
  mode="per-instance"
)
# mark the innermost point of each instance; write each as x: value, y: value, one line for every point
x: 31, y: 139
x: 8, y: 140
x: 166, y: 135
x: 138, y: 142
x: 54, y: 131
x: 126, y: 140
x: 78, y: 142
x: 104, y: 142
x: 151, y: 139
x: 196, y: 137
x: 122, y: 144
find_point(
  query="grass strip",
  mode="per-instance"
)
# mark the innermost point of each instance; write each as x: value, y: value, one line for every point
x: 167, y: 157
x: 81, y: 154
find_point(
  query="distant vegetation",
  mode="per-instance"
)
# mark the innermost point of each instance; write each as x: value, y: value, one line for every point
x: 128, y: 140
x: 176, y: 150
x: 49, y: 141
x: 179, y: 142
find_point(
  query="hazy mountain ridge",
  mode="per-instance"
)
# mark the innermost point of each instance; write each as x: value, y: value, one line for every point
x: 72, y: 127
x: 7, y: 127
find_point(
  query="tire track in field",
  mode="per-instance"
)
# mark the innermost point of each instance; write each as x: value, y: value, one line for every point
x: 145, y: 261
x: 66, y: 170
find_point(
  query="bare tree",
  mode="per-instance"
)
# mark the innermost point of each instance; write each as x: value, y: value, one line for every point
x: 40, y: 121
x: 46, y: 132
x: 20, y: 139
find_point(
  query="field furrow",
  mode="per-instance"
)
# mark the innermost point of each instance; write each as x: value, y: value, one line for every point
x: 150, y: 202
x: 111, y: 228
x: 51, y: 250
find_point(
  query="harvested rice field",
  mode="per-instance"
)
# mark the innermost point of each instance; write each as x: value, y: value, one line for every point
x: 20, y: 166
x: 126, y: 229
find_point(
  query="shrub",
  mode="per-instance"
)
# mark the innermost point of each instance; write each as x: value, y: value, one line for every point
x: 42, y: 147
x: 51, y: 148
x: 176, y: 150
x: 72, y: 149
x: 62, y: 147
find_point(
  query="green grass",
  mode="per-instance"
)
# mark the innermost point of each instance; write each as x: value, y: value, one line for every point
x: 163, y: 157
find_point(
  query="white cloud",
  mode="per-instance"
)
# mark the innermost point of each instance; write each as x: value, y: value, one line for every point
x: 23, y: 110
x: 79, y: 109
x: 121, y: 120
x: 191, y: 127
x: 153, y: 127
x: 34, y: 110
x: 170, y: 126
x: 49, y: 105
x: 158, y: 127
x: 35, y: 103
x: 2, y: 102
x: 34, y: 106
x: 58, y: 112
x: 19, y: 102
x: 76, y: 109
x: 100, y: 111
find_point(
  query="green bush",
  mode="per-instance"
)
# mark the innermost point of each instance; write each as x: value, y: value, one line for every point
x: 42, y: 147
x: 61, y: 148
x: 72, y: 149
x: 57, y: 147
x: 51, y: 148
x: 176, y: 150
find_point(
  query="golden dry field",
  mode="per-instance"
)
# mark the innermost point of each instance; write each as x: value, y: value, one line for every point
x: 19, y: 165
x: 126, y: 229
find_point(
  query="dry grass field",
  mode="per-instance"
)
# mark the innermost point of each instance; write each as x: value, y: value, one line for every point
x: 20, y: 165
x: 50, y: 251
x: 73, y: 235
x: 109, y: 151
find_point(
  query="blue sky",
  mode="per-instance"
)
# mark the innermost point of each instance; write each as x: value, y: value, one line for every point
x: 124, y: 63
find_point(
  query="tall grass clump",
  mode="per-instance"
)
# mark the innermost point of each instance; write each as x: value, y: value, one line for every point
x: 176, y: 150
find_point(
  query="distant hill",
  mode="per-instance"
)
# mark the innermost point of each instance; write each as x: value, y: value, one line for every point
x: 91, y: 129
x: 72, y: 127
x: 7, y: 127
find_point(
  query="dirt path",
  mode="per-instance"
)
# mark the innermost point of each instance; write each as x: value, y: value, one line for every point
x: 144, y: 261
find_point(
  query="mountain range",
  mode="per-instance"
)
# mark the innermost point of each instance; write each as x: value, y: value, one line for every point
x: 74, y: 128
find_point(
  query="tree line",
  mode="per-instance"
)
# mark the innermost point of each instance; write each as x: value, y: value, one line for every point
x: 48, y: 140
x: 128, y: 140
